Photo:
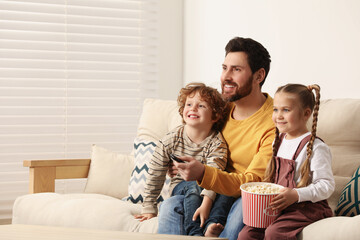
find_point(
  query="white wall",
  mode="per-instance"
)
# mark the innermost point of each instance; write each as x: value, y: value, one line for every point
x: 170, y: 48
x: 310, y: 41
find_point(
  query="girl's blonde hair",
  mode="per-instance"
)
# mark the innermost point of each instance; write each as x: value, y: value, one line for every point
x: 307, y: 100
x: 219, y: 107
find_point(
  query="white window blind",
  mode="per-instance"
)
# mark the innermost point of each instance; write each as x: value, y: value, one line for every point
x: 72, y: 73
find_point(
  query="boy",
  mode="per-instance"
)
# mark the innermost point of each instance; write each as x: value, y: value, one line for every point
x: 202, y: 109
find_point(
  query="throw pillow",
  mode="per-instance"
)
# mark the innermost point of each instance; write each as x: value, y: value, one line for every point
x: 143, y: 150
x: 349, y: 202
x: 109, y: 173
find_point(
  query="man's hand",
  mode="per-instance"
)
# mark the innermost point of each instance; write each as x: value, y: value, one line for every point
x: 145, y: 216
x: 286, y: 197
x: 191, y: 170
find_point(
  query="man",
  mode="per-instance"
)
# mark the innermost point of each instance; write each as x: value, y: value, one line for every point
x: 249, y: 133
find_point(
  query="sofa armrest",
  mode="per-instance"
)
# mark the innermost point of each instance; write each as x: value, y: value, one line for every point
x: 44, y: 172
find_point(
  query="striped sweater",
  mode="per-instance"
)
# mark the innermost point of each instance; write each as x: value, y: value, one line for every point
x: 212, y: 151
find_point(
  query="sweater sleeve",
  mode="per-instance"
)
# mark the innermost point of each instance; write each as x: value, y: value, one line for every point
x: 158, y: 166
x: 217, y: 158
x: 323, y: 183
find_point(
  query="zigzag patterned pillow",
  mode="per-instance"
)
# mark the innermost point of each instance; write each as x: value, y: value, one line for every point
x: 349, y: 202
x: 143, y: 151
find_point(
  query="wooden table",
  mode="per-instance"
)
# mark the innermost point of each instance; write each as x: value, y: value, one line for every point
x: 19, y: 231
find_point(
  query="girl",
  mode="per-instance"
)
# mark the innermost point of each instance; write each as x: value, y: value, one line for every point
x: 301, y: 163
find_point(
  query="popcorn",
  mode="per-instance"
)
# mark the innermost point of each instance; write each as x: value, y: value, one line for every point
x: 263, y: 188
x: 256, y: 197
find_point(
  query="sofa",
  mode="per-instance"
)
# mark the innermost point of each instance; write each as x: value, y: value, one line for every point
x: 114, y: 184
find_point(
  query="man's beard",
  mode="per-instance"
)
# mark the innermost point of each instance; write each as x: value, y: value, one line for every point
x: 242, y: 92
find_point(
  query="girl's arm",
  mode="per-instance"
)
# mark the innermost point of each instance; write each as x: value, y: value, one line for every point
x: 323, y: 183
x: 203, y: 211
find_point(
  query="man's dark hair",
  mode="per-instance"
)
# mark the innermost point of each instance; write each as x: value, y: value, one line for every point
x: 258, y: 56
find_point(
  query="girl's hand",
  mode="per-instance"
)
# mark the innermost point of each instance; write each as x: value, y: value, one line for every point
x: 286, y: 197
x: 145, y: 216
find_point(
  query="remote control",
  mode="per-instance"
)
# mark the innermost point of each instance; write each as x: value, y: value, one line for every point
x: 175, y: 158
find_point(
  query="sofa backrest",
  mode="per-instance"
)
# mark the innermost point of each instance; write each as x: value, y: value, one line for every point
x: 338, y: 126
x: 158, y: 117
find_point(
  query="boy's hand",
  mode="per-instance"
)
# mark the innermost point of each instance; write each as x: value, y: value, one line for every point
x: 286, y: 197
x: 203, y: 213
x: 145, y: 216
x: 204, y: 210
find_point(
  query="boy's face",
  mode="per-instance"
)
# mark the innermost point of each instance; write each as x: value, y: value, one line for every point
x: 197, y: 112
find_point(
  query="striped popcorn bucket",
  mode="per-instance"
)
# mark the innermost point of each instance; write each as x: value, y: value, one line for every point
x: 256, y: 210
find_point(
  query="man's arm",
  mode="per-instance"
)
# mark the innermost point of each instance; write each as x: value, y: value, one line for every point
x: 224, y: 182
x: 229, y: 183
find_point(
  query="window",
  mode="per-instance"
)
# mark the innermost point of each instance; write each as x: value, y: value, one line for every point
x: 72, y: 74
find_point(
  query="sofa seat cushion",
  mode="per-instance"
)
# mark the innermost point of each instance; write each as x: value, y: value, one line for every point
x: 333, y: 228
x: 82, y: 210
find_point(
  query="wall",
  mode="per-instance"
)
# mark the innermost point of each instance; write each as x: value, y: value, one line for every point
x: 310, y: 41
x: 170, y: 48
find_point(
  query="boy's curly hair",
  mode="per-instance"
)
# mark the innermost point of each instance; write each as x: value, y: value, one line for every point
x: 220, y: 108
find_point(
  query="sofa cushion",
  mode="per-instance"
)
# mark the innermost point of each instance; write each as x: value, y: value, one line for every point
x: 158, y: 117
x: 349, y: 202
x: 94, y: 211
x: 341, y: 133
x: 337, y: 126
x: 143, y: 150
x: 109, y: 173
x: 332, y: 228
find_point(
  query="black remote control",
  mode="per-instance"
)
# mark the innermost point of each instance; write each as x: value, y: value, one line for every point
x: 175, y: 158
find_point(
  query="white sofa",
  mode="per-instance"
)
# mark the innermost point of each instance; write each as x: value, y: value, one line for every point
x: 101, y: 207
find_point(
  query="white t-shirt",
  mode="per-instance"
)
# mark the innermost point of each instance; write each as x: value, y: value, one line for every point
x: 323, y: 183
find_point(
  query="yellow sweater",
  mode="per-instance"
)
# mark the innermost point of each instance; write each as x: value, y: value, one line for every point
x: 250, y: 146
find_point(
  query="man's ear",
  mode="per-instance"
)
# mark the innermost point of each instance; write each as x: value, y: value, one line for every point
x: 260, y: 75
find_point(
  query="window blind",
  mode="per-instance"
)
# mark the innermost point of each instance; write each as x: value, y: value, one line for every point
x: 72, y: 74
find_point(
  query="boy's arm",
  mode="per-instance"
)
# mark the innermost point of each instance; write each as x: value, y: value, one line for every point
x: 155, y: 179
x: 217, y: 153
x: 217, y: 157
x: 204, y: 210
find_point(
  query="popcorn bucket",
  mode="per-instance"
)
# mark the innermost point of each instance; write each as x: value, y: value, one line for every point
x: 256, y: 210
